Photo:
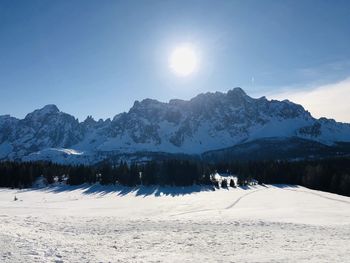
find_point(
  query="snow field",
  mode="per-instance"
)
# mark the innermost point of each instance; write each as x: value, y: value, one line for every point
x: 149, y: 224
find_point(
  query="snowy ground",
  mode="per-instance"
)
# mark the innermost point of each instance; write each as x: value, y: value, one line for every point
x: 114, y: 224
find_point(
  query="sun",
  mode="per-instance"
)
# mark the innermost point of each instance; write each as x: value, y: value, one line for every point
x: 183, y: 60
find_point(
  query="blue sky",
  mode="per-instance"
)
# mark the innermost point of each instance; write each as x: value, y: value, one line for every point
x: 97, y: 57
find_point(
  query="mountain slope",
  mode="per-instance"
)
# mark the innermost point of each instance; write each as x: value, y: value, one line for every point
x: 207, y: 122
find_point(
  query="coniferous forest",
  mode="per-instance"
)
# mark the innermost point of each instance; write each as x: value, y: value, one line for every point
x: 331, y: 175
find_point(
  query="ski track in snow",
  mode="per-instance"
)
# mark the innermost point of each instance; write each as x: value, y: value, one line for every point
x: 319, y: 195
x: 268, y: 224
x: 243, y: 196
x: 228, y: 207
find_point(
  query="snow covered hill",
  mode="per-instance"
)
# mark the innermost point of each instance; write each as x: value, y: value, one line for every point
x: 149, y: 224
x: 208, y: 122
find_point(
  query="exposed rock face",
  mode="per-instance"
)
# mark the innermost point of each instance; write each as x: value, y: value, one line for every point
x: 207, y: 122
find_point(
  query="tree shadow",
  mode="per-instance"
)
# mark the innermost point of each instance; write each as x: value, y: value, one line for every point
x: 143, y: 191
x: 285, y: 185
x: 170, y: 190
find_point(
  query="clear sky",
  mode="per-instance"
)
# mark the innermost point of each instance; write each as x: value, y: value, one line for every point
x: 97, y: 57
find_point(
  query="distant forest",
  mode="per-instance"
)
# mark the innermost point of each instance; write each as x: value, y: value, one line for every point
x: 331, y: 175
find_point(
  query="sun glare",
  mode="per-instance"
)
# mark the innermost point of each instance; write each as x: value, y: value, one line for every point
x: 183, y: 60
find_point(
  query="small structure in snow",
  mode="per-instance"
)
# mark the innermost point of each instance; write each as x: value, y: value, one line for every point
x: 219, y: 177
x: 253, y: 182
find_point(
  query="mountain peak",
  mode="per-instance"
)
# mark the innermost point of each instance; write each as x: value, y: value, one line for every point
x: 146, y: 103
x: 237, y: 91
x: 208, y: 122
x: 46, y: 110
x: 50, y: 108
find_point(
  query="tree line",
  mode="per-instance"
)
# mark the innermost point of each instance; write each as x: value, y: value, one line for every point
x: 332, y: 175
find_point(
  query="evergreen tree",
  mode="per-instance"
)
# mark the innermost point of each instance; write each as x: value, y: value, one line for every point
x: 232, y: 183
x: 224, y: 183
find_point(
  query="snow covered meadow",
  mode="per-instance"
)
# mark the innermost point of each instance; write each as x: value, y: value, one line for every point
x: 148, y: 224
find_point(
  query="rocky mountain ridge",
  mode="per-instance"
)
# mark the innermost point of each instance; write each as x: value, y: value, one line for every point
x: 207, y: 122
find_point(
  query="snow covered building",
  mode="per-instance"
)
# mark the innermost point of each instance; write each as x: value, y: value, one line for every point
x: 221, y: 176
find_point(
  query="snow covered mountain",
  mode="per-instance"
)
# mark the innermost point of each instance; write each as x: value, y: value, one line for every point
x: 206, y: 123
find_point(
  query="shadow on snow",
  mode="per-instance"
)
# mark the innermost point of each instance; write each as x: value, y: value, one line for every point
x: 101, y: 190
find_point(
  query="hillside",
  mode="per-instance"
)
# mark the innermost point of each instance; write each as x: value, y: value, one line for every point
x: 92, y: 223
x: 206, y: 123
